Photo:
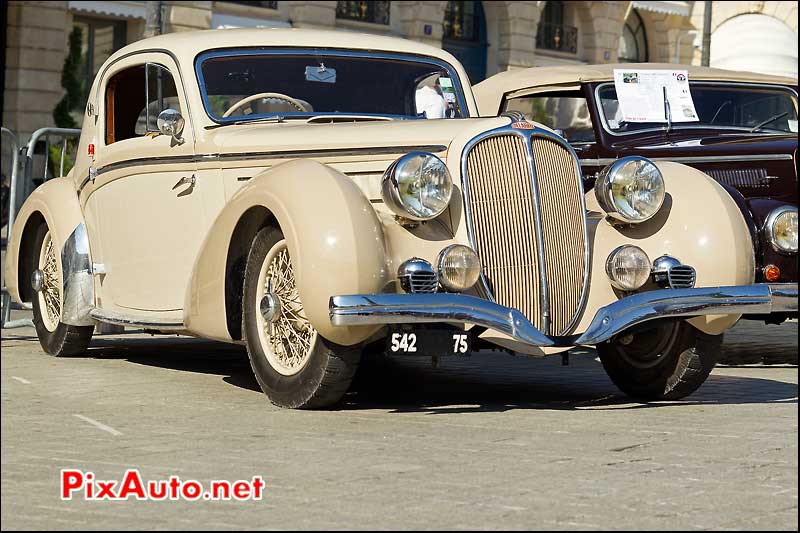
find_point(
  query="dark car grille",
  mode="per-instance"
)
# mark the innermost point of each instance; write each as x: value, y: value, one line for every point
x: 746, y: 178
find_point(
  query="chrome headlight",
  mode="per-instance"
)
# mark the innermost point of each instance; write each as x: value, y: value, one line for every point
x: 628, y: 267
x: 417, y: 186
x: 630, y: 189
x: 781, y: 229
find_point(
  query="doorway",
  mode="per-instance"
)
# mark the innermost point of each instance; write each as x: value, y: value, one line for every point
x: 465, y: 37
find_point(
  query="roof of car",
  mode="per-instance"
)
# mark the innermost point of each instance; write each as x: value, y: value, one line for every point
x: 189, y: 44
x: 491, y: 90
x: 532, y: 77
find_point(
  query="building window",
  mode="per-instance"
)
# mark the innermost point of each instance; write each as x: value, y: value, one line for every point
x: 633, y: 41
x: 461, y: 21
x: 552, y: 33
x: 268, y: 5
x: 99, y: 39
x: 374, y: 12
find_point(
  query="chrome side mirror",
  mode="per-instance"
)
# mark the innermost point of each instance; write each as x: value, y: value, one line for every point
x: 170, y: 122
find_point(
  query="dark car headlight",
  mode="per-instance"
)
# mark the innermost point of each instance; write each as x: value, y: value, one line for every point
x: 781, y: 229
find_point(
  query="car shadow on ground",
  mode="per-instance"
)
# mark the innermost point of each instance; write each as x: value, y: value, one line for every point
x: 485, y: 381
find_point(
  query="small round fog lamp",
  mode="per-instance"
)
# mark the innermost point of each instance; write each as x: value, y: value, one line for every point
x: 628, y: 267
x: 459, y: 267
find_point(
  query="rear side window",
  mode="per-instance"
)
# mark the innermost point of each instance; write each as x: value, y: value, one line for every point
x: 567, y: 112
x: 134, y: 98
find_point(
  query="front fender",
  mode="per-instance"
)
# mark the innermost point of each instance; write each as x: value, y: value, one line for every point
x: 334, y: 237
x: 699, y: 224
x: 56, y: 202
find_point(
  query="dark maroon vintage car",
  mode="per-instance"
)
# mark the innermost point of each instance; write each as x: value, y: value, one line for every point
x: 746, y: 138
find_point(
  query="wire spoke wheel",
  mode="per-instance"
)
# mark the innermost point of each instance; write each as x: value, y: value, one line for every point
x: 288, y: 338
x: 51, y: 294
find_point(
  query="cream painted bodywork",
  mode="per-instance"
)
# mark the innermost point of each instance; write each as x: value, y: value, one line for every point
x: 164, y: 249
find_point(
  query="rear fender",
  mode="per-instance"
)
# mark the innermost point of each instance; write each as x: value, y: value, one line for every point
x: 56, y: 204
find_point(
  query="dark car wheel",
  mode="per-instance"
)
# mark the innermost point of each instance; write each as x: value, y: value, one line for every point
x: 667, y: 361
x: 56, y: 338
x: 294, y: 365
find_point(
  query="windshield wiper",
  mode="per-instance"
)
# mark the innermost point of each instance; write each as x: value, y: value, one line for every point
x: 276, y: 119
x: 771, y: 119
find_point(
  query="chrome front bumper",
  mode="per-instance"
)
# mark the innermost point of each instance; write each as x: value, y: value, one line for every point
x: 365, y: 309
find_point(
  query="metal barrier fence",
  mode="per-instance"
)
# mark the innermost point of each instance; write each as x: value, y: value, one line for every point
x: 21, y: 184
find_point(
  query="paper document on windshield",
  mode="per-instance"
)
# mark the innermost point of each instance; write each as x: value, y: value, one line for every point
x: 642, y: 94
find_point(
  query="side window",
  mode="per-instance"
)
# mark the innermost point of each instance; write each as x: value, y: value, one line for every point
x: 435, y: 97
x: 134, y: 98
x: 567, y: 112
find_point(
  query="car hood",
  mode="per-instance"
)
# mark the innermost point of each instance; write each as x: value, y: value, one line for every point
x: 368, y: 140
x: 758, y: 165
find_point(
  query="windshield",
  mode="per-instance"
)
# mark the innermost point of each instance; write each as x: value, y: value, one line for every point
x: 245, y: 85
x: 718, y: 106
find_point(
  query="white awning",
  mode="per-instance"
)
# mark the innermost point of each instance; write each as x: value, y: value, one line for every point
x: 739, y: 44
x: 666, y: 6
x: 128, y: 10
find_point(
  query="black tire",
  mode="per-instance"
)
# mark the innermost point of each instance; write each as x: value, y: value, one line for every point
x: 328, y: 370
x: 667, y: 361
x: 63, y: 340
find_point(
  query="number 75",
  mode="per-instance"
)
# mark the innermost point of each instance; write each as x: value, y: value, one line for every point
x: 460, y: 343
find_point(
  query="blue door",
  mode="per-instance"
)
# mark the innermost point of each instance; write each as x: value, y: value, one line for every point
x: 465, y: 37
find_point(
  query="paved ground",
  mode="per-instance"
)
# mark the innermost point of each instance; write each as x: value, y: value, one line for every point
x: 486, y: 442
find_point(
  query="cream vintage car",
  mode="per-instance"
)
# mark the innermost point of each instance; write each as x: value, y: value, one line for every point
x: 318, y: 196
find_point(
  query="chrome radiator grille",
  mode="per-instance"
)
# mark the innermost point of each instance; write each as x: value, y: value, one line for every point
x: 502, y: 198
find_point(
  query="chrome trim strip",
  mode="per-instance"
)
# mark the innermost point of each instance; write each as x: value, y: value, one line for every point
x: 601, y: 162
x: 341, y: 152
x: 604, y: 122
x: 125, y: 320
x: 544, y: 292
x: 144, y: 161
x: 610, y: 320
x: 76, y: 265
x: 361, y: 309
x: 483, y: 285
x: 247, y: 156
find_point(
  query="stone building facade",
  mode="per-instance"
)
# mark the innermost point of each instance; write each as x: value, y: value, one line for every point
x: 488, y: 37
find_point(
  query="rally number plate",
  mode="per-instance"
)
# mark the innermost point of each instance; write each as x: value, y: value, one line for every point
x: 429, y: 342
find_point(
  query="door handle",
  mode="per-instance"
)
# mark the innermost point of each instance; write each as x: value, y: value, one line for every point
x: 191, y: 180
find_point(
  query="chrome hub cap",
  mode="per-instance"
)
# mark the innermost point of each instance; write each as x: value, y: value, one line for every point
x: 286, y: 335
x: 270, y: 307
x: 50, y: 292
x: 37, y: 280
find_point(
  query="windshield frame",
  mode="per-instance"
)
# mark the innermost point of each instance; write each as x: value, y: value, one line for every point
x: 338, y: 52
x: 690, y: 125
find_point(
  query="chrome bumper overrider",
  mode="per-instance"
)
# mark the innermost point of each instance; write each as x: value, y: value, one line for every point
x: 364, y: 309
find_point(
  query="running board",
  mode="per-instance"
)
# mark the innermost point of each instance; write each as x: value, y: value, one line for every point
x: 134, y: 321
